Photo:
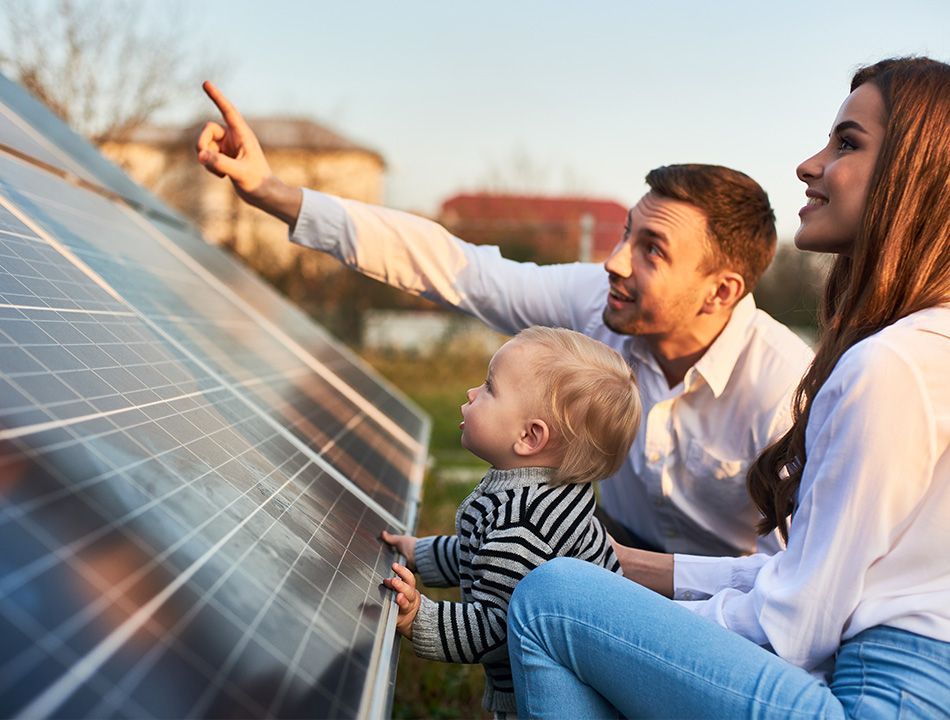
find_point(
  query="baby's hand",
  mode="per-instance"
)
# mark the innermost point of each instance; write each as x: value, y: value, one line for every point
x: 408, y: 598
x: 404, y: 544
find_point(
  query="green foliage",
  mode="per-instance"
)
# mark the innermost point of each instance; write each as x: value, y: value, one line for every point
x: 790, y: 289
x: 426, y: 689
x: 437, y: 384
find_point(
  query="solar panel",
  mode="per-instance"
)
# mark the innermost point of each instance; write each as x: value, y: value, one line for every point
x: 193, y: 475
x: 29, y: 129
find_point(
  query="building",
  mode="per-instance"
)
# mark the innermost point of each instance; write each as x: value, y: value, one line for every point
x: 543, y: 229
x: 300, y: 151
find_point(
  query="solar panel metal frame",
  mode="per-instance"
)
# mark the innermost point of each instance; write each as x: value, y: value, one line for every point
x: 69, y: 158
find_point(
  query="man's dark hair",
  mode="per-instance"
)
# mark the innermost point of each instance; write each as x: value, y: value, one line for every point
x: 739, y: 219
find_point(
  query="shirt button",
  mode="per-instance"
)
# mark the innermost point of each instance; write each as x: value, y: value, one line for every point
x: 688, y: 595
x: 654, y: 457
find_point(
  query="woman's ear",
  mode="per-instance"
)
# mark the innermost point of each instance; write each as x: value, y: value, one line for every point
x: 533, y: 439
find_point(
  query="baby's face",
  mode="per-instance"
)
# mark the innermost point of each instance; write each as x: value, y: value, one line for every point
x: 497, y: 410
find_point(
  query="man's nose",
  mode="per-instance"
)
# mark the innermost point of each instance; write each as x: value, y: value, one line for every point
x: 620, y: 261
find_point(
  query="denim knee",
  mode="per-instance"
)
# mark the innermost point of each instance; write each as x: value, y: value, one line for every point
x: 546, y: 581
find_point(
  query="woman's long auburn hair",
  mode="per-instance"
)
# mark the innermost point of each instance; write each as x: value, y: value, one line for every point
x: 899, y: 261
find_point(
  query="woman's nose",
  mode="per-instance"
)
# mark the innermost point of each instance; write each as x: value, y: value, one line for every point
x: 809, y: 168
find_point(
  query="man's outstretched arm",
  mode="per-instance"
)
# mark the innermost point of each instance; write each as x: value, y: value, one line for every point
x: 232, y: 151
x: 402, y: 250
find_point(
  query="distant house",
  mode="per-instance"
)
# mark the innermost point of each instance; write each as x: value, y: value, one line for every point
x: 543, y: 229
x: 300, y: 151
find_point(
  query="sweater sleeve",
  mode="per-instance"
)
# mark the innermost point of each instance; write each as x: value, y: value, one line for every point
x: 437, y: 560
x: 466, y: 632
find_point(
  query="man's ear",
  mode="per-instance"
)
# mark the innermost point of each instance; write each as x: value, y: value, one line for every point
x: 533, y: 439
x: 726, y: 289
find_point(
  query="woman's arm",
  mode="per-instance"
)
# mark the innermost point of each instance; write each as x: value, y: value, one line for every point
x: 653, y: 570
x: 871, y: 456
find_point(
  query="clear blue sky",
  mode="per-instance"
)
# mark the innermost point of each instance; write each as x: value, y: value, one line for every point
x: 583, y: 97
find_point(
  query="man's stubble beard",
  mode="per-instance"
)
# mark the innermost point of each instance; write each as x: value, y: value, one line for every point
x: 633, y: 326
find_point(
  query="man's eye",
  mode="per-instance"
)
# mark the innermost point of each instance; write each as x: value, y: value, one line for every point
x: 654, y: 250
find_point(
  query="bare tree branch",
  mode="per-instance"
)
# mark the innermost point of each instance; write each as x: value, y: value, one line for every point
x: 106, y: 67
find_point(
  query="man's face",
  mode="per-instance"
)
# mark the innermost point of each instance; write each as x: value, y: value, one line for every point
x: 657, y: 272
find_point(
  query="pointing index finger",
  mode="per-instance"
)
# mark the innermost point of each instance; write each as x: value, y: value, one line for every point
x: 230, y: 113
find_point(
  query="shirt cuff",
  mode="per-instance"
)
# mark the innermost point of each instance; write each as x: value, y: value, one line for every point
x: 698, y: 578
x: 426, y: 640
x: 321, y: 223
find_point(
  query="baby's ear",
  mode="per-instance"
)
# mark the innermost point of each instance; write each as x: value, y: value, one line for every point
x: 533, y: 439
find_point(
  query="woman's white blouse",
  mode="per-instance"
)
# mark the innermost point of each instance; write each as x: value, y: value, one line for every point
x: 869, y: 543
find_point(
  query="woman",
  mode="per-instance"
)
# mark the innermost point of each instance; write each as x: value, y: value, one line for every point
x: 860, y: 599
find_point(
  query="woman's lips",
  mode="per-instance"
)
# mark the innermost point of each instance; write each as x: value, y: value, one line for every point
x: 815, y: 202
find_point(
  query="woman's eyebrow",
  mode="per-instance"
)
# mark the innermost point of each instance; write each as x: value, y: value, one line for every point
x: 849, y: 125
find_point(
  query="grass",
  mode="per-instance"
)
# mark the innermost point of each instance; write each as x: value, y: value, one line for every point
x: 426, y: 689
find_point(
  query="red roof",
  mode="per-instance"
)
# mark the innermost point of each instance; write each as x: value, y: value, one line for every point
x: 554, y: 222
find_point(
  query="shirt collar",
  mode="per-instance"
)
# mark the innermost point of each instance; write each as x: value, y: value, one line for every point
x: 717, y: 363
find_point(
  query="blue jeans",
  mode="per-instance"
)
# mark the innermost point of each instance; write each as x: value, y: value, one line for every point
x: 587, y: 643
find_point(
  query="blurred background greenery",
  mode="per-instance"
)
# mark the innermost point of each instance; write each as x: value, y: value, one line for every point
x: 437, y: 383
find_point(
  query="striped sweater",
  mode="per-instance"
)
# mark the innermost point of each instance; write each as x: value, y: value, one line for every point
x: 513, y: 521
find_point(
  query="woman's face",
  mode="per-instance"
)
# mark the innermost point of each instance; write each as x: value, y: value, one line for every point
x: 839, y: 175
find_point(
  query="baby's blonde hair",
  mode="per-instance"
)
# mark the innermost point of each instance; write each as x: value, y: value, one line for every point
x: 590, y: 398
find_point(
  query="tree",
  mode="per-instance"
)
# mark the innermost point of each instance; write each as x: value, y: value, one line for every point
x: 790, y: 290
x: 105, y: 67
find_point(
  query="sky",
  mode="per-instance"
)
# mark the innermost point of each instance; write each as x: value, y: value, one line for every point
x: 561, y: 97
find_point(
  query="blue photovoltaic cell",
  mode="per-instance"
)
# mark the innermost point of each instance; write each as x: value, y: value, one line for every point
x: 193, y: 477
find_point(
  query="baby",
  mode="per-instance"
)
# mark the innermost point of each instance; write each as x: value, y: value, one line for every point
x: 557, y: 411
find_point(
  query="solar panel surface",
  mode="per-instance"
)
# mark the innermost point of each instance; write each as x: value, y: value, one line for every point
x: 192, y: 476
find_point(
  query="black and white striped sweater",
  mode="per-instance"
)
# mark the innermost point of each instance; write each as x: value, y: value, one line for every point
x: 513, y: 521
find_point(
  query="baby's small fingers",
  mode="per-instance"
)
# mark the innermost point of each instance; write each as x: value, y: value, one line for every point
x: 402, y: 601
x: 405, y: 573
x: 403, y: 587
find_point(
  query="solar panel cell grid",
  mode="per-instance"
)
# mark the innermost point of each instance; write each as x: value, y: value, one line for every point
x: 191, y: 492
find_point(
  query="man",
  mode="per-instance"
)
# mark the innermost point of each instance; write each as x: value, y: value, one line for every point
x: 716, y: 374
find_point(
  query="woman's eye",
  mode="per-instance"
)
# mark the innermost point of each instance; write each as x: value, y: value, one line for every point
x: 845, y: 144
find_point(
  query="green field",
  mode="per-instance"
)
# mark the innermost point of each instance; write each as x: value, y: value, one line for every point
x: 426, y: 689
